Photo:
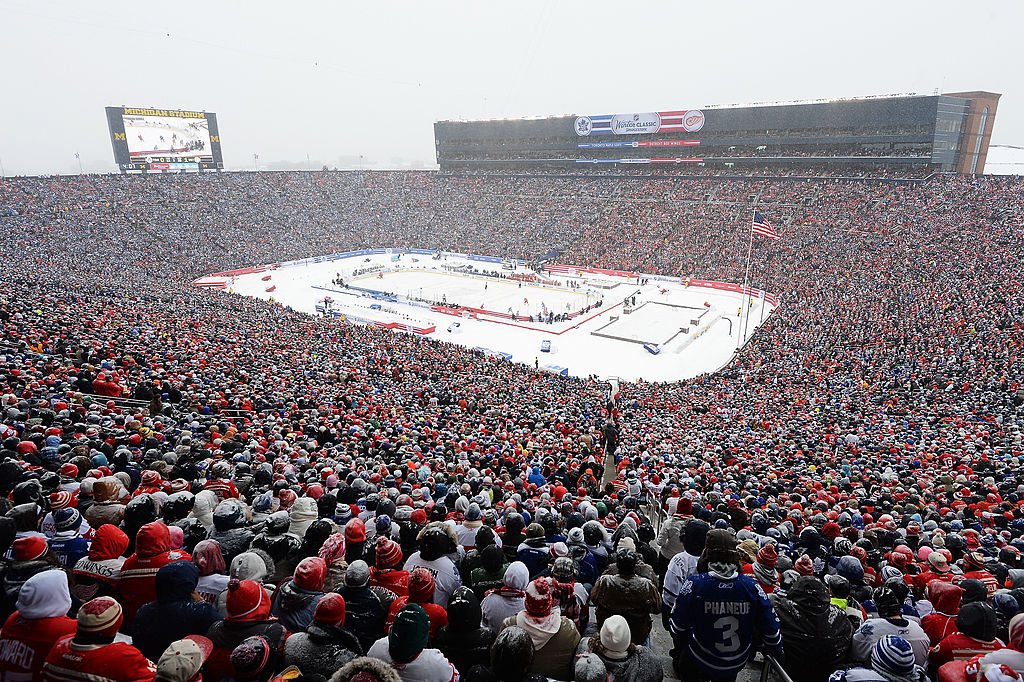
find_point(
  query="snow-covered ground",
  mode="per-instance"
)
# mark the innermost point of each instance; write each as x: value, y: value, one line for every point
x: 699, y: 327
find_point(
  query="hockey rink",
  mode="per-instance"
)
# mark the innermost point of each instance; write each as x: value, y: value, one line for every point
x: 412, y: 291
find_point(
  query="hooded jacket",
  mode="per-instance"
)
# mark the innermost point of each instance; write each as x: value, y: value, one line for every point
x: 365, y: 614
x: 105, y: 507
x: 230, y: 529
x: 976, y: 636
x: 640, y: 665
x: 202, y: 509
x: 137, y: 584
x: 815, y: 633
x: 97, y: 574
x: 294, y: 606
x: 228, y: 633
x: 31, y: 631
x: 634, y: 598
x: 945, y: 599
x: 508, y: 600
x: 1013, y: 654
x: 322, y: 649
x: 302, y: 513
x: 174, y: 614
x: 376, y: 668
x: 463, y: 641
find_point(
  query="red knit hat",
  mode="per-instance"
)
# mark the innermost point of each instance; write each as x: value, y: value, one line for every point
x: 330, y: 609
x: 388, y: 553
x: 247, y: 600
x: 804, y: 565
x: 421, y: 586
x: 150, y: 478
x: 61, y: 499
x: 767, y: 556
x: 538, y: 598
x: 30, y: 548
x: 100, y: 616
x: 311, y: 573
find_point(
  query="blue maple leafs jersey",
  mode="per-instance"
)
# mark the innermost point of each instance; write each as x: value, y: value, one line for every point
x: 719, y: 619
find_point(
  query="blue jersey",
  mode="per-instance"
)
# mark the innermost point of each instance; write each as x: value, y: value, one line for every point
x: 719, y: 619
x: 69, y: 550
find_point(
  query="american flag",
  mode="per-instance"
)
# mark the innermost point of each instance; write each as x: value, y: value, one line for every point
x: 761, y: 226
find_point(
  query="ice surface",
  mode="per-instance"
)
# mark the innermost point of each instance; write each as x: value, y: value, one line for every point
x: 706, y: 347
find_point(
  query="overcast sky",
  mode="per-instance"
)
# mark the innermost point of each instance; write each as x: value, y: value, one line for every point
x: 336, y: 80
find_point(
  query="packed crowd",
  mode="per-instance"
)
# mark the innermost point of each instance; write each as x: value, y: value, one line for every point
x: 196, y: 484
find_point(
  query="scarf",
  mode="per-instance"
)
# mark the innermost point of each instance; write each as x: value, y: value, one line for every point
x: 541, y: 630
x: 765, y: 574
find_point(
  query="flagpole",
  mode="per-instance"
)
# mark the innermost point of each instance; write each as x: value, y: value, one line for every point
x: 746, y: 275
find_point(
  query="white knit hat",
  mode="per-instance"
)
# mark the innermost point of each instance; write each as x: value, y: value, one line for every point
x: 615, y: 637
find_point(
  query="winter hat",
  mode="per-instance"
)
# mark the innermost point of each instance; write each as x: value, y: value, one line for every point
x: 977, y: 620
x: 251, y: 656
x: 563, y: 570
x: 615, y: 637
x: 357, y: 574
x: 421, y: 585
x: 719, y: 547
x: 30, y: 548
x: 333, y: 548
x: 101, y: 616
x: 330, y: 609
x: 387, y: 553
x: 538, y: 598
x: 355, y: 531
x: 247, y: 600
x: 938, y: 562
x: 974, y: 591
x: 66, y: 520
x: 513, y: 652
x: 974, y: 561
x: 804, y: 566
x: 409, y: 633
x: 893, y: 656
x: 182, y: 660
x: 60, y: 500
x: 590, y: 668
x: 767, y: 556
x: 310, y: 573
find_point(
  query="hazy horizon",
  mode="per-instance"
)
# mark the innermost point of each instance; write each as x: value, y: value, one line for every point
x: 362, y: 84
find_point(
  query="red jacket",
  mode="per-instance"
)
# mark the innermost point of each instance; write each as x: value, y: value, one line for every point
x: 25, y: 642
x: 945, y: 598
x: 116, y: 662
x: 960, y: 647
x: 137, y: 582
x: 396, y: 581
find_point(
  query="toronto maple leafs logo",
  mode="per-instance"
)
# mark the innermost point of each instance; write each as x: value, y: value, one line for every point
x: 583, y: 125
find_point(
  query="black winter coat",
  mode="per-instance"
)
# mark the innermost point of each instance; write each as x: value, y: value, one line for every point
x: 321, y: 649
x: 816, y: 635
x: 365, y: 615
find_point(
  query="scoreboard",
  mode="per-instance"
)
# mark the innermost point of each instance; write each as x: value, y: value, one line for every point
x: 147, y: 139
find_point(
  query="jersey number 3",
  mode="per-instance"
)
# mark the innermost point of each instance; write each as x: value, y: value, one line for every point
x: 727, y: 629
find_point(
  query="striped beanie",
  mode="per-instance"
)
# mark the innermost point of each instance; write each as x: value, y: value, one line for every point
x: 893, y: 656
x: 100, y: 616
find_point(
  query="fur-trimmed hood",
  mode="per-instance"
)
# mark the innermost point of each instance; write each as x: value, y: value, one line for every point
x: 376, y: 667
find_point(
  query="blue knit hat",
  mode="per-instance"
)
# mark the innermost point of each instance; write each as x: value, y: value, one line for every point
x: 894, y: 655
